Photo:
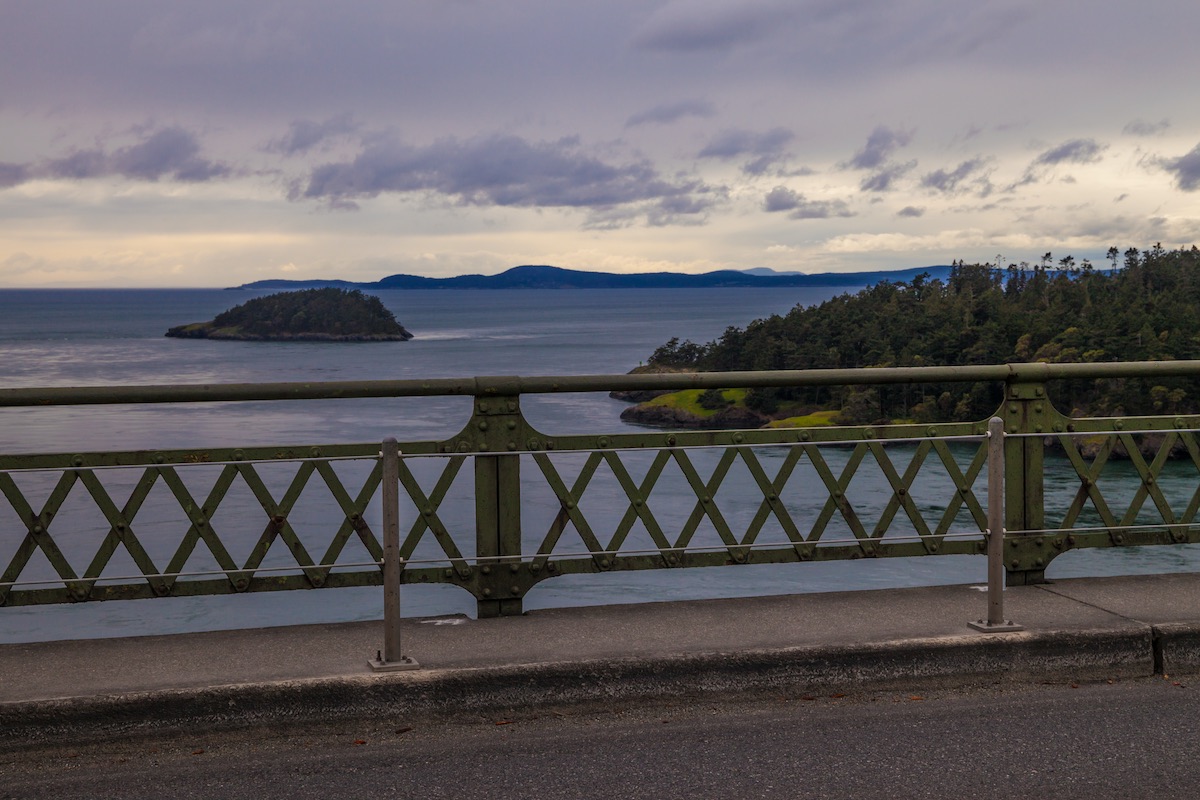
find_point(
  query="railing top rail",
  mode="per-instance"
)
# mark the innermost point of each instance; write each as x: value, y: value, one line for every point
x: 486, y: 386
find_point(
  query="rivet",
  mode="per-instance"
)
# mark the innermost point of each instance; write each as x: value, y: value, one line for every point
x: 535, y: 568
x: 869, y: 433
x: 637, y: 502
x: 120, y: 526
x: 482, y: 425
x: 1015, y: 392
x: 1178, y: 423
x: 514, y: 589
x: 705, y: 499
x: 483, y: 406
x: 1016, y: 564
x: 902, y: 491
x: 427, y: 511
x: 933, y: 547
x: 511, y: 425
x: 1012, y: 409
x: 672, y: 559
x: 1150, y: 480
x: 1038, y: 541
x: 739, y: 557
x: 1037, y: 407
x: 1039, y: 391
x: 159, y: 458
x: 804, y: 436
x: 37, y: 528
x: 318, y: 581
x: 1039, y: 562
x: 931, y: 431
x: 670, y: 440
x: 238, y: 455
x: 1119, y: 538
x: 514, y: 568
x: 570, y: 504
x: 241, y: 583
x: 77, y: 461
x: 605, y: 563
x: 512, y: 445
x: 486, y: 570
x: 463, y: 447
x: 486, y: 592
x: 603, y: 441
x: 448, y: 573
x: 316, y: 452
x: 737, y: 437
x: 1119, y: 426
x: 772, y: 497
x: 512, y: 406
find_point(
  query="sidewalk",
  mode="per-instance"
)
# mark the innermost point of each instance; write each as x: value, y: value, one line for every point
x: 1074, y: 630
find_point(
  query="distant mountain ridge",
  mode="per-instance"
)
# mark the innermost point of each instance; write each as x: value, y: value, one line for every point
x: 546, y: 277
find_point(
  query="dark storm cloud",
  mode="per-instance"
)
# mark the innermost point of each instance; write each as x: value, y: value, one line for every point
x: 1074, y: 151
x: 782, y: 198
x: 304, y: 134
x: 1142, y: 128
x: 169, y: 152
x: 884, y: 179
x: 499, y: 170
x: 1186, y: 169
x: 671, y: 112
x: 692, y: 27
x: 911, y: 211
x: 880, y: 145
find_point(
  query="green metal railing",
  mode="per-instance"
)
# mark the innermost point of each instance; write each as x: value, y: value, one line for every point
x: 502, y: 506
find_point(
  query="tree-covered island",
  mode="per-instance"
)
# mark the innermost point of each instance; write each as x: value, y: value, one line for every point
x: 321, y: 315
x: 1145, y: 308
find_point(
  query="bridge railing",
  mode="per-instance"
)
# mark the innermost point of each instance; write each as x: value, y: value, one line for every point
x: 501, y: 506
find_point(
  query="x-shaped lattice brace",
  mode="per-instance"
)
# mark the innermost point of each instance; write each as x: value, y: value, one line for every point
x: 427, y: 513
x: 121, y: 526
x: 771, y: 504
x: 1089, y: 488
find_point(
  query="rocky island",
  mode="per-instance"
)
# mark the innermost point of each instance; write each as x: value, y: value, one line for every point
x: 313, y: 315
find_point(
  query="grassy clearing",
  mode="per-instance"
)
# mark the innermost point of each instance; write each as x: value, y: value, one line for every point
x: 689, y: 400
x: 817, y: 419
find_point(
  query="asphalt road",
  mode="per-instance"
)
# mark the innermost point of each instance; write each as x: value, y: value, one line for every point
x: 1121, y: 740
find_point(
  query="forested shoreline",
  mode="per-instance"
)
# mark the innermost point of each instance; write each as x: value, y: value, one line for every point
x: 1144, y: 306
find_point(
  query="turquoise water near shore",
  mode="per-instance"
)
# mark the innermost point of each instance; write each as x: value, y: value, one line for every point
x: 98, y: 337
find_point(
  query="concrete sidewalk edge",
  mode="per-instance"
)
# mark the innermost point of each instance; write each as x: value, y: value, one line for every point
x: 1133, y: 650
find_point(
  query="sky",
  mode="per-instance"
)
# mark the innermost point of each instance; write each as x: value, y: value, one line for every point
x: 213, y: 143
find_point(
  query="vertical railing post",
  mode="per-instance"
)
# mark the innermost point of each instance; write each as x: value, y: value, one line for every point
x: 995, y: 621
x: 390, y: 658
x: 500, y: 432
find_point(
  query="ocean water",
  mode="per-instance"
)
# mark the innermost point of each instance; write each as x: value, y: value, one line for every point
x: 99, y: 337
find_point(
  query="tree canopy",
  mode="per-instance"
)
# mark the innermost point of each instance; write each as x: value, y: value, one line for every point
x: 1147, y: 307
x: 326, y: 313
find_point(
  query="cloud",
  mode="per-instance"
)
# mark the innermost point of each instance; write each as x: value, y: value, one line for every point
x: 782, y: 198
x: 1142, y: 128
x: 12, y: 174
x: 768, y: 148
x: 1186, y: 169
x: 882, y: 180
x: 168, y: 152
x: 880, y: 145
x: 950, y: 181
x: 688, y: 26
x: 667, y: 113
x: 504, y: 170
x: 1074, y: 151
x: 303, y: 135
x: 911, y: 211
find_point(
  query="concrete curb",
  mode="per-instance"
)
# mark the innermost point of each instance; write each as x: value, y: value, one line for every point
x: 1133, y: 650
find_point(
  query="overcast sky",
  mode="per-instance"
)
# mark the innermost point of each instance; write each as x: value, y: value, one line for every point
x: 211, y: 143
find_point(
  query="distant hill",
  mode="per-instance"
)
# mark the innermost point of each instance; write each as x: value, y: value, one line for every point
x: 544, y: 277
